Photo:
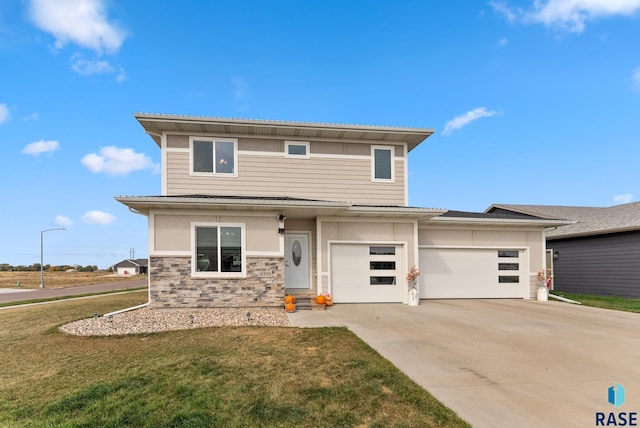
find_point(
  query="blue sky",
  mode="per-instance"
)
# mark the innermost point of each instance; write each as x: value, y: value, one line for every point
x: 532, y: 102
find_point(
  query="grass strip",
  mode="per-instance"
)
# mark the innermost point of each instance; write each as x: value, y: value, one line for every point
x: 606, y: 302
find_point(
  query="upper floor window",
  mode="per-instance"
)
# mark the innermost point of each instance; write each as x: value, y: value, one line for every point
x: 213, y: 156
x: 298, y: 149
x: 382, y: 168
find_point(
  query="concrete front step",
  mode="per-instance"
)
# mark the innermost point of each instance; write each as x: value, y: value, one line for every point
x: 307, y: 302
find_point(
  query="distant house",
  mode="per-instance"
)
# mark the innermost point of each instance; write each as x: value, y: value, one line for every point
x: 131, y: 267
x: 598, y: 254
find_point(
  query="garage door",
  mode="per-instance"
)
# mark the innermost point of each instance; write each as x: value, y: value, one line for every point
x: 366, y: 273
x: 452, y: 273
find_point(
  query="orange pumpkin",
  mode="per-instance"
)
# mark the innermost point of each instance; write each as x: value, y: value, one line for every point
x: 321, y: 300
x: 289, y: 299
x: 290, y: 307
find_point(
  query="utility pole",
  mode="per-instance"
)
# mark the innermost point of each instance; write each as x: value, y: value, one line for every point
x: 42, y: 253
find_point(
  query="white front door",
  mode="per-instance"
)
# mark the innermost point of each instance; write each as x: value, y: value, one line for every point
x: 296, y: 257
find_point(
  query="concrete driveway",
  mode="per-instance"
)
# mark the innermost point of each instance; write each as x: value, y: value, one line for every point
x: 504, y: 363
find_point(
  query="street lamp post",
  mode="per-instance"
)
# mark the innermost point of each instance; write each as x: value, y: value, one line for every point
x: 42, y: 253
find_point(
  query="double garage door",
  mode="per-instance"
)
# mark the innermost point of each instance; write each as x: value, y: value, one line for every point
x: 376, y: 273
x: 367, y: 273
x: 459, y: 273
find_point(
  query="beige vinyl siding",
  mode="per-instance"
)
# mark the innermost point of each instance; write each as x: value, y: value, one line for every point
x: 178, y: 142
x: 326, y: 178
x: 172, y: 232
x: 260, y: 145
x: 323, y: 147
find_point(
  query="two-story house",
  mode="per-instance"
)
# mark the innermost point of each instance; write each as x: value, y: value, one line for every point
x: 251, y: 208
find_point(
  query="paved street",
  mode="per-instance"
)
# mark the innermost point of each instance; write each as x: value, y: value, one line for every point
x: 15, y: 294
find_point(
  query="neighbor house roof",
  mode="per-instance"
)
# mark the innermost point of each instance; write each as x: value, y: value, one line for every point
x: 588, y: 220
x: 156, y: 124
x: 132, y: 263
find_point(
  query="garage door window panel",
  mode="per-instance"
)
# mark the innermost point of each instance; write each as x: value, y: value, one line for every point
x: 382, y: 265
x: 509, y: 279
x: 382, y: 280
x: 382, y: 251
x: 508, y: 266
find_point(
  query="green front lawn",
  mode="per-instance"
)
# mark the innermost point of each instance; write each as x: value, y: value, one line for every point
x: 226, y: 376
x: 606, y: 302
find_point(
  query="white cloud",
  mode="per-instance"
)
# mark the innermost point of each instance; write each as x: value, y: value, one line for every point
x: 569, y: 15
x: 98, y: 217
x: 122, y: 76
x: 33, y: 116
x: 40, y: 147
x: 623, y: 199
x: 63, y: 221
x: 85, y: 67
x: 572, y: 14
x: 503, y: 42
x: 636, y: 76
x: 466, y: 118
x: 240, y: 87
x: 118, y: 161
x: 83, y: 22
x: 5, y: 114
x: 503, y: 9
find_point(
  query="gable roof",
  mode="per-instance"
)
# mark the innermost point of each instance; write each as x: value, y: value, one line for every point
x: 588, y: 220
x: 131, y: 263
x: 156, y: 124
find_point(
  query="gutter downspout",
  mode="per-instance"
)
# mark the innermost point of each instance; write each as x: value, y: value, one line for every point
x: 125, y: 310
x: 564, y: 299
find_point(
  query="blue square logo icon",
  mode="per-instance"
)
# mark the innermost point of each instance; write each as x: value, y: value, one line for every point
x: 616, y: 395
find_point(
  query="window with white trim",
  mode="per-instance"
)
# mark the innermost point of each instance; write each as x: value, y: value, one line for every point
x: 213, y: 156
x: 218, y: 249
x: 296, y: 149
x: 382, y: 165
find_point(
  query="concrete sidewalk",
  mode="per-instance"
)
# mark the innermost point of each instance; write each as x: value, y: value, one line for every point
x: 500, y: 363
x: 8, y: 295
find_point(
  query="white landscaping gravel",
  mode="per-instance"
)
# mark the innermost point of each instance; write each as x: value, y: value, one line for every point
x: 147, y: 320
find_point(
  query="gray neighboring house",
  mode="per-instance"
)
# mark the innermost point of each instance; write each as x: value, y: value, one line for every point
x: 131, y: 267
x: 599, y: 254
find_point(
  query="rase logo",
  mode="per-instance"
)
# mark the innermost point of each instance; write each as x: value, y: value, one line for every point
x: 615, y: 397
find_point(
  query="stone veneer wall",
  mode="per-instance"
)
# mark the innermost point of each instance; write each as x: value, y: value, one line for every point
x: 172, y: 286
